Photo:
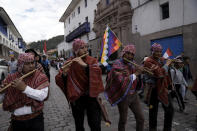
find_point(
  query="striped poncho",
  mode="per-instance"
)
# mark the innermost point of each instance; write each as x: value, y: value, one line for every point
x: 119, y: 82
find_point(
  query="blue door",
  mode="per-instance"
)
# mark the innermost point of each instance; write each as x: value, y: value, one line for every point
x: 175, y: 44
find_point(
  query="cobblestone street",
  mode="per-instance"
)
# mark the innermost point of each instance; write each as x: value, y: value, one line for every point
x: 58, y: 116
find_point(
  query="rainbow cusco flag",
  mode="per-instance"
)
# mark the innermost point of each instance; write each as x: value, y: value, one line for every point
x: 110, y: 45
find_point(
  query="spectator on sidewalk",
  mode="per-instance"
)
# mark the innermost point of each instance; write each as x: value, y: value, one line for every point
x: 187, y: 74
x: 60, y: 63
x: 12, y: 64
x: 46, y: 66
x: 179, y: 82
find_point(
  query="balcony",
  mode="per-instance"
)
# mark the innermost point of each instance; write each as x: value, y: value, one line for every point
x: 82, y: 29
x: 15, y: 45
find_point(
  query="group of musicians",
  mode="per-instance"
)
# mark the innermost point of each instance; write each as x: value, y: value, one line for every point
x: 80, y: 79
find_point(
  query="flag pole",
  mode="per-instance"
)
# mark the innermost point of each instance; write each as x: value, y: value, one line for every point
x: 104, y: 60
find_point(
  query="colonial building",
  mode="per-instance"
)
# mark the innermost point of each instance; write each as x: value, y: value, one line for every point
x: 172, y: 23
x: 78, y: 23
x: 118, y: 15
x: 10, y: 39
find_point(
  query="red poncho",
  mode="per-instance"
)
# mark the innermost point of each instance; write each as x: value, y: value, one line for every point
x: 119, y: 83
x: 14, y: 98
x: 163, y: 80
x: 78, y: 83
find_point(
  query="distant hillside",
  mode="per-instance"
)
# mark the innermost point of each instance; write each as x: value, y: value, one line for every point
x: 51, y: 43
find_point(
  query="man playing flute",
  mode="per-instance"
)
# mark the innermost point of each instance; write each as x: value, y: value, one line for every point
x: 25, y: 98
x: 81, y: 82
x: 121, y: 88
x: 158, y: 88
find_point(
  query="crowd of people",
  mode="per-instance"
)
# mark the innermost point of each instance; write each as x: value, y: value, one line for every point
x: 80, y: 79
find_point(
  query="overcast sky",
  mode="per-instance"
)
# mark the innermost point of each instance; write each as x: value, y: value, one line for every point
x: 36, y: 19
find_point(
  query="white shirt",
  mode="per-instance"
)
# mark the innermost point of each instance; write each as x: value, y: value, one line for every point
x: 35, y: 94
x: 177, y: 77
x: 134, y: 76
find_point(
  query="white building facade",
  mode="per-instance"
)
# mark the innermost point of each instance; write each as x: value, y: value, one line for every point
x: 10, y: 39
x: 78, y: 23
x: 172, y: 23
x: 147, y: 17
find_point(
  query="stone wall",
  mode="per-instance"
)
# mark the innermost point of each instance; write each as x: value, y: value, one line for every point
x: 117, y: 15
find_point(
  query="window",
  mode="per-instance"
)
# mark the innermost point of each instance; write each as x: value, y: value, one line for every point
x: 86, y: 4
x: 86, y: 19
x: 73, y: 14
x: 165, y: 10
x: 79, y: 10
x: 107, y: 2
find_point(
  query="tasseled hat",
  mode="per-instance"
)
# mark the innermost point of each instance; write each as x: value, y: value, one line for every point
x: 24, y: 57
x: 128, y: 48
x: 77, y: 44
x: 156, y: 47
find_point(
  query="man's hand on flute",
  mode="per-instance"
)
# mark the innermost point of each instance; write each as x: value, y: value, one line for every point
x: 147, y: 69
x: 139, y: 70
x: 19, y: 84
x: 169, y: 62
x: 3, y: 86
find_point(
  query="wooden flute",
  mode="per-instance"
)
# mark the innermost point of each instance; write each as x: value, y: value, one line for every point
x: 69, y: 63
x: 22, y: 77
x: 147, y: 71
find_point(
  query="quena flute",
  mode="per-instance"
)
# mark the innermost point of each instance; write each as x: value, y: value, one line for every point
x: 64, y: 66
x: 22, y: 77
x: 138, y: 65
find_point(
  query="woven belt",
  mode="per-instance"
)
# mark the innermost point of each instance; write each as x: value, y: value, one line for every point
x: 26, y: 117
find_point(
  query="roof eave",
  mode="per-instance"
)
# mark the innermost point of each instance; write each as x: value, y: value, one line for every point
x: 9, y: 21
x: 69, y: 9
